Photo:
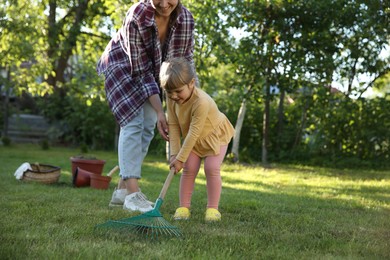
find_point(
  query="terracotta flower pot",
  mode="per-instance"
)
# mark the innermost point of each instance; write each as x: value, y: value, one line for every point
x: 82, y: 178
x: 100, y: 181
x: 91, y: 165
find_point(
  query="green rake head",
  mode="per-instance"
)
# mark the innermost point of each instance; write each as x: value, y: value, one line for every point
x: 150, y: 224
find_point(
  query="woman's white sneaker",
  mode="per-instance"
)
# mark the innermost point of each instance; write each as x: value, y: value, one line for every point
x: 118, y: 198
x: 137, y: 201
x: 119, y: 195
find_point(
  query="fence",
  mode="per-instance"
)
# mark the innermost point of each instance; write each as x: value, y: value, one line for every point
x: 24, y: 128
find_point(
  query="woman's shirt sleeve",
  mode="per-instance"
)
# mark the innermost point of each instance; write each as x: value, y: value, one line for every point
x: 141, y: 64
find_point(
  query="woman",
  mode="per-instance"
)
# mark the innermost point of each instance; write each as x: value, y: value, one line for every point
x: 153, y: 31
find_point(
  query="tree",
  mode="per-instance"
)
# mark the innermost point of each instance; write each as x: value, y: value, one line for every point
x: 290, y: 43
x: 17, y: 46
x: 61, y: 56
x: 362, y: 34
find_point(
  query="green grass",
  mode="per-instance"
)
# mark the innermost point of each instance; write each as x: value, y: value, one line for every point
x: 287, y: 212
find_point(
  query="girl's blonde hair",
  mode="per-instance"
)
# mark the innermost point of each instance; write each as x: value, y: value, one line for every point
x: 176, y: 73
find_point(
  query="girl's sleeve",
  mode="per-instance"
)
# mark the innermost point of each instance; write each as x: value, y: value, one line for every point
x: 174, y: 129
x: 198, y: 119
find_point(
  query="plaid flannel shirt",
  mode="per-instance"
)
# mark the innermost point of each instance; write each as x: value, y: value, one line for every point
x: 132, y: 59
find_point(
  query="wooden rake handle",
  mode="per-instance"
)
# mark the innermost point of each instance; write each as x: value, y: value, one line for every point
x: 113, y: 171
x: 167, y: 183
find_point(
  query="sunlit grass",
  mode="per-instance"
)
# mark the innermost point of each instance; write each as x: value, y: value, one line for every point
x: 284, y: 212
x: 311, y: 182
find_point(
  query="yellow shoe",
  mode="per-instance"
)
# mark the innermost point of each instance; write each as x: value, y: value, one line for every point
x: 182, y: 213
x: 212, y: 215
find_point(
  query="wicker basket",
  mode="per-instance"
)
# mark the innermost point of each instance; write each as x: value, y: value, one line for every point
x: 42, y: 173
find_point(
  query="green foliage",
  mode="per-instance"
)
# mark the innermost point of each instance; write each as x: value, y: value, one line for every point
x: 45, y: 144
x: 301, y: 44
x: 158, y: 146
x: 339, y: 127
x: 20, y: 42
x: 292, y: 45
x: 6, y: 141
x: 79, y: 120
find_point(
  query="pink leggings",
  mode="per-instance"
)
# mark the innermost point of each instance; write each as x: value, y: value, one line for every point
x: 212, y: 166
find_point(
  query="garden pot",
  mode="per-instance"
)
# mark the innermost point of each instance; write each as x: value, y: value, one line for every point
x: 100, y: 181
x: 82, y: 178
x: 91, y: 165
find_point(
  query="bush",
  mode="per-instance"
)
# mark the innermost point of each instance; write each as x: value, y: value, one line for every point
x: 6, y: 141
x: 44, y: 144
x: 81, y: 120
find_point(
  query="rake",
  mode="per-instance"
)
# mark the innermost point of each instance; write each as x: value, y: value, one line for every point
x: 151, y: 224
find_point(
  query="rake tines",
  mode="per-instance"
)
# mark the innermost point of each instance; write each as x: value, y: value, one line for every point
x: 145, y: 224
x: 152, y: 224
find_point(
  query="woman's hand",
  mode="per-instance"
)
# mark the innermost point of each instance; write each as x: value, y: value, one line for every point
x: 162, y: 125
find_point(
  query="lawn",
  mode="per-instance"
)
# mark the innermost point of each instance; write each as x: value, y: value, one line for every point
x: 286, y: 212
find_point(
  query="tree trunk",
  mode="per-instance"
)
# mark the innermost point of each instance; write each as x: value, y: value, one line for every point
x: 6, y: 103
x: 266, y: 114
x: 238, y: 127
x: 280, y: 121
x: 52, y: 39
x: 60, y: 62
x: 298, y: 136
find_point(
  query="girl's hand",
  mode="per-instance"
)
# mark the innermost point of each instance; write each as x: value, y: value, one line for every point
x: 178, y: 165
x: 172, y: 158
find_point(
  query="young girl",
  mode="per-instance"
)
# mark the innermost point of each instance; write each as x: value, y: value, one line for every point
x: 206, y: 133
